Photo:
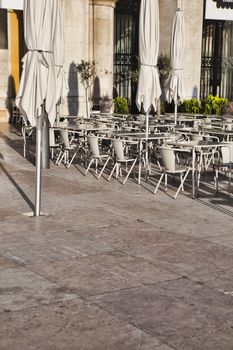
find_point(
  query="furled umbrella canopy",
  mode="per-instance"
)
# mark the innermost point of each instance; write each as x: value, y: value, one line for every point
x: 149, y: 89
x: 59, y: 57
x: 38, y: 83
x: 37, y: 90
x: 174, y: 86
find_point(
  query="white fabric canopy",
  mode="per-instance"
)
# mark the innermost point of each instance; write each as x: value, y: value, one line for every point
x: 174, y: 86
x: 38, y: 82
x: 148, y: 85
x: 59, y: 57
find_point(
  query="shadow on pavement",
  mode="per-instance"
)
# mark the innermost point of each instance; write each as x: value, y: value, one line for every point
x: 18, y: 188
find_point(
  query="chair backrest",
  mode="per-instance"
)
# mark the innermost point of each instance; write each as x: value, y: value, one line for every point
x: 196, y: 137
x: 118, y: 146
x: 168, y: 157
x: 227, y: 153
x: 65, y: 138
x: 101, y: 125
x: 94, y: 145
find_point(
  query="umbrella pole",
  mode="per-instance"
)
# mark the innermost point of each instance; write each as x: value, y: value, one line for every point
x: 175, y: 120
x: 147, y: 132
x: 176, y: 104
x: 38, y: 167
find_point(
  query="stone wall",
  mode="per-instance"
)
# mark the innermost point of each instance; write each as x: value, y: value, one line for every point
x: 193, y: 12
x: 75, y: 14
x: 103, y: 26
x: 89, y: 36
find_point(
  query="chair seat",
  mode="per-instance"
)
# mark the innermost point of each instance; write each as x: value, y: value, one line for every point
x: 125, y: 160
x: 101, y: 156
x: 178, y: 169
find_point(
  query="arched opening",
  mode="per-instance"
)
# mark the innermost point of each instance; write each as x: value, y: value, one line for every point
x: 126, y: 50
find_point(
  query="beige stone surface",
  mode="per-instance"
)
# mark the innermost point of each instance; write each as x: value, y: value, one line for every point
x: 193, y: 15
x: 111, y: 267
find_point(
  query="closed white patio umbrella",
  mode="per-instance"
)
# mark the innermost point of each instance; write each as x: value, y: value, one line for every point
x: 37, y: 90
x: 59, y: 57
x: 149, y: 89
x: 174, y: 86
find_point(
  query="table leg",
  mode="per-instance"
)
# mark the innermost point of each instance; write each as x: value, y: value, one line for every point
x: 140, y: 163
x: 193, y: 173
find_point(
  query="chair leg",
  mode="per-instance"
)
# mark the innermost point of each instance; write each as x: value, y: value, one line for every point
x: 216, y: 180
x: 159, y: 182
x: 182, y: 183
x: 165, y: 182
x: 118, y: 170
x: 92, y: 160
x: 129, y: 171
x: 72, y: 159
x: 58, y: 157
x: 96, y: 166
x: 229, y: 181
x: 63, y: 155
x: 105, y: 164
x: 198, y: 178
x: 115, y: 165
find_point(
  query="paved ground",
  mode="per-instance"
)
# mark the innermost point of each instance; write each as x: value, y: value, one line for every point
x: 110, y: 267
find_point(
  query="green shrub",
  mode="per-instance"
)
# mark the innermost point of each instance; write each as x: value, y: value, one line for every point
x: 214, y: 105
x: 191, y: 106
x: 121, y: 105
x: 164, y: 67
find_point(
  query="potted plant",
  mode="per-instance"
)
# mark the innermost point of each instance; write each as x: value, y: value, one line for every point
x: 121, y: 105
x: 105, y: 104
x: 87, y: 72
x: 164, y: 67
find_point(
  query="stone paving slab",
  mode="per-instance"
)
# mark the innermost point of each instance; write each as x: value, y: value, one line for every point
x: 225, y: 240
x: 219, y: 340
x: 73, y: 325
x: 102, y: 273
x: 171, y: 311
x: 183, y: 254
x: 5, y: 262
x: 21, y: 288
x: 27, y: 248
x: 221, y: 281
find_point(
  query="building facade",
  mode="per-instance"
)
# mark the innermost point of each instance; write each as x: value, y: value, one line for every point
x: 105, y: 31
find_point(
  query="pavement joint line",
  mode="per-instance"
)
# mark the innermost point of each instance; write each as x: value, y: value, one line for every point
x: 133, y: 287
x: 151, y: 262
x: 40, y: 305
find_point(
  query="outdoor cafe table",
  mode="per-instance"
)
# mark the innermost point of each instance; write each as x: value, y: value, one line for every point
x: 83, y: 128
x: 142, y: 138
x: 193, y: 148
x: 226, y: 134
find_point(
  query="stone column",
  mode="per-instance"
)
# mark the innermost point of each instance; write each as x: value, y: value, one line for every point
x: 101, y: 26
